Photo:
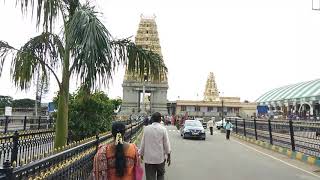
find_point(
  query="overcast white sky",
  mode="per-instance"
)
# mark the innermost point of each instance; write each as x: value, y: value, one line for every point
x: 251, y: 46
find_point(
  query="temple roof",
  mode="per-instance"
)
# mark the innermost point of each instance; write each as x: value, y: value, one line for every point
x: 211, y: 92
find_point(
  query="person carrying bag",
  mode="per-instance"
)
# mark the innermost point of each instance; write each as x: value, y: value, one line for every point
x: 118, y: 160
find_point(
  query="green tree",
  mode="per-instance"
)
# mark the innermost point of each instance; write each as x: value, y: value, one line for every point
x: 5, y: 101
x: 89, y: 114
x: 23, y: 103
x: 116, y: 103
x: 84, y: 48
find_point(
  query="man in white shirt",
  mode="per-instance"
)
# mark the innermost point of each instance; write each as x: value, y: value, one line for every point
x: 155, y: 149
x: 210, y: 125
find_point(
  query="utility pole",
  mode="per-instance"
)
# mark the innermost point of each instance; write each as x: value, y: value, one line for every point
x: 145, y: 79
x: 37, y: 95
x: 222, y: 106
x: 222, y: 109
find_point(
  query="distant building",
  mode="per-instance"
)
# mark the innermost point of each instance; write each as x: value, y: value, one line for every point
x: 231, y: 105
x: 211, y: 105
x: 301, y: 99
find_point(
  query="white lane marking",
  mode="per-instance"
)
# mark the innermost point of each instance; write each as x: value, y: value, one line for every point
x: 311, y: 173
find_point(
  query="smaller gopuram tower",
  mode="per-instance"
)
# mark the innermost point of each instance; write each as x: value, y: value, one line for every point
x: 211, y: 92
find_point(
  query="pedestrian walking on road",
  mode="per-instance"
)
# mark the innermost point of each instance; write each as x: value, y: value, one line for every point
x: 155, y: 149
x: 118, y: 160
x: 228, y: 127
x: 210, y: 125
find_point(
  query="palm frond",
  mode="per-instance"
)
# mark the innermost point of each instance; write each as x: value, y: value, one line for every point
x: 41, y: 53
x: 5, y: 50
x: 140, y: 61
x: 96, y: 55
x: 46, y: 11
x: 91, y: 47
x: 72, y: 5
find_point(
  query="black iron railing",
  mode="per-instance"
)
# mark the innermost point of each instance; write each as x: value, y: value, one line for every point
x: 302, y: 136
x: 23, y: 123
x: 20, y: 147
x: 75, y: 161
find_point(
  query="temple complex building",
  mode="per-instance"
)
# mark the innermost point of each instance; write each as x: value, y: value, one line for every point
x: 212, y: 104
x: 145, y: 95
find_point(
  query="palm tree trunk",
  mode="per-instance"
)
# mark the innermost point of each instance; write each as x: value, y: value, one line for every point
x: 62, y: 119
x: 63, y: 106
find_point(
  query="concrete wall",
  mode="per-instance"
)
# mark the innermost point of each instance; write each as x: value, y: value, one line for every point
x: 244, y: 112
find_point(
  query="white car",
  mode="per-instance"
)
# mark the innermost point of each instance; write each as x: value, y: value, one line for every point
x: 219, y: 124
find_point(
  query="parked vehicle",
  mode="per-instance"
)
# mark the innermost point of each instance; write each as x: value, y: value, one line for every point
x: 204, y: 124
x: 219, y: 124
x: 193, y: 129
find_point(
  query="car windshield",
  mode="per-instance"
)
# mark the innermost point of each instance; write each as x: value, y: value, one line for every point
x: 193, y: 123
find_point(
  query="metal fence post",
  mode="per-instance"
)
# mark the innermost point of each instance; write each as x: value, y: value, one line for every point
x: 236, y: 126
x: 25, y: 123
x: 244, y: 127
x: 97, y: 142
x: 270, y: 131
x: 293, y: 145
x: 6, y: 122
x: 50, y: 122
x: 39, y: 122
x: 255, y: 128
x: 14, y: 152
x: 131, y: 130
x: 7, y: 170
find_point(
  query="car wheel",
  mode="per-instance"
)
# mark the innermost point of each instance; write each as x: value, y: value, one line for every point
x: 183, y: 136
x: 218, y: 128
x: 203, y: 138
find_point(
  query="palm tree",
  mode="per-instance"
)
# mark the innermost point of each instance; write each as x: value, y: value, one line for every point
x: 85, y: 51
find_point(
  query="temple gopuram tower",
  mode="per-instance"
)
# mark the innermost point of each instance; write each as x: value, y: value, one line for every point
x: 133, y: 85
x: 211, y: 92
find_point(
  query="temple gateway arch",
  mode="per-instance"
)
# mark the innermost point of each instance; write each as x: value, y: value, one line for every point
x: 145, y: 96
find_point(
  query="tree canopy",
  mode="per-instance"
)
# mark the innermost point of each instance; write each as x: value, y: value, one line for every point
x: 16, y: 103
x: 5, y: 101
x: 23, y: 103
x: 89, y: 113
x: 83, y: 48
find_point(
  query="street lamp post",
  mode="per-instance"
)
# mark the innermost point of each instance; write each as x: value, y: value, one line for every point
x: 222, y: 107
x: 222, y: 110
x: 131, y: 125
x: 145, y: 78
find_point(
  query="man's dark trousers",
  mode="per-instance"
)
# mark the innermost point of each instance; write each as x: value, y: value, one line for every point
x: 228, y: 134
x: 155, y: 171
x: 211, y: 130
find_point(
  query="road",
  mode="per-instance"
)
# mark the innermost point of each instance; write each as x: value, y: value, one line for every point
x: 217, y: 158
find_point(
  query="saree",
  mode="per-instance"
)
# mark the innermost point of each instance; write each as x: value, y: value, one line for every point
x: 104, y: 163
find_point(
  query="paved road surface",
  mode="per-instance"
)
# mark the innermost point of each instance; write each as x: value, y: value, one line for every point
x: 216, y: 158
